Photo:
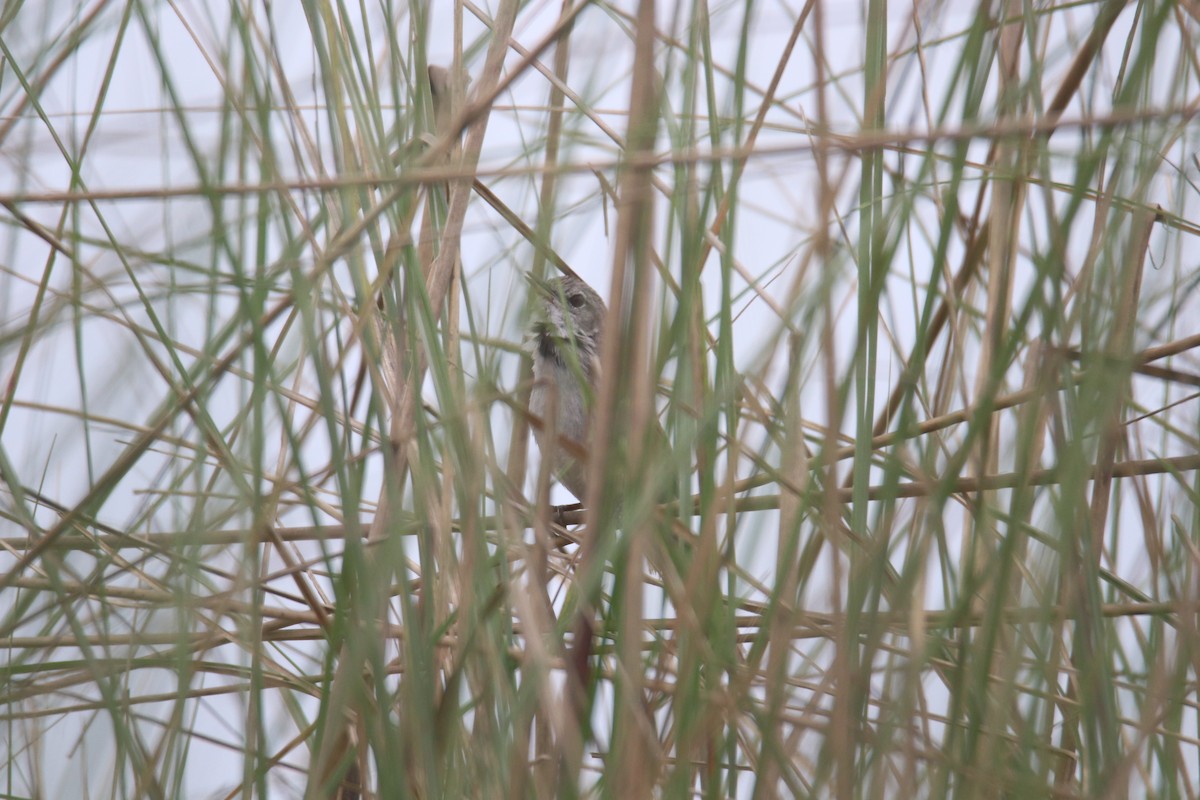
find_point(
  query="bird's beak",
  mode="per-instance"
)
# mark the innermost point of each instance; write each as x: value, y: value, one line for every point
x: 540, y: 285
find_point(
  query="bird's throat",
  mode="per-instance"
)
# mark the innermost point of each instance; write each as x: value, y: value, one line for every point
x: 548, y: 346
x: 558, y: 350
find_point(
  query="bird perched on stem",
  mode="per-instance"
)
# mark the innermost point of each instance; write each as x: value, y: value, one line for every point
x: 568, y: 326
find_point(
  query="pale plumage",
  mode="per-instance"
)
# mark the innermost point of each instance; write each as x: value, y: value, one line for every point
x: 566, y: 359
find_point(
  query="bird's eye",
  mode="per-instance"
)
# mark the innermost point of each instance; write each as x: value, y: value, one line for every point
x: 576, y: 300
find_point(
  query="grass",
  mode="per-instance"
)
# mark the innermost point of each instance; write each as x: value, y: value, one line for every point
x: 906, y: 289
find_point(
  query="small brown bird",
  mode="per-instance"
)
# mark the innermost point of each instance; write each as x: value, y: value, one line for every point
x: 567, y: 331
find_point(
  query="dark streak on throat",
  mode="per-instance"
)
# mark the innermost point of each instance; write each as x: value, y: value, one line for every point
x: 548, y: 347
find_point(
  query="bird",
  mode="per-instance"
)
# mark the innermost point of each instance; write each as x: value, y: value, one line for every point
x: 567, y: 331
